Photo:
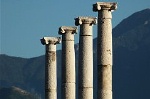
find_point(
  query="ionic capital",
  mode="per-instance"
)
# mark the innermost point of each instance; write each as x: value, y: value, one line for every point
x: 85, y: 20
x: 65, y: 29
x: 50, y: 40
x: 104, y: 5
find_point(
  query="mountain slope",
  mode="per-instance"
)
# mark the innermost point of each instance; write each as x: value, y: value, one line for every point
x: 132, y: 22
x: 131, y: 57
x: 16, y: 93
x: 24, y: 73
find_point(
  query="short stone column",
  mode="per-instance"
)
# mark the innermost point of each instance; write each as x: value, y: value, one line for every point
x: 68, y: 62
x: 85, y: 68
x: 50, y: 66
x: 104, y: 48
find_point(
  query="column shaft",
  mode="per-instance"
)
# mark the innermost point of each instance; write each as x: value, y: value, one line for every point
x: 85, y: 68
x: 104, y: 48
x: 50, y: 72
x: 68, y: 63
x: 50, y: 66
x: 104, y: 55
x: 68, y: 66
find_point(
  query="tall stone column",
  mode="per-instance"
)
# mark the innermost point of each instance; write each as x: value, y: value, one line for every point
x: 50, y: 66
x: 68, y: 62
x: 85, y: 68
x: 104, y: 48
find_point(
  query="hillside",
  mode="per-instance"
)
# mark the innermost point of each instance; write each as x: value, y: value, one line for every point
x: 131, y: 57
x: 131, y: 63
x: 16, y: 93
x: 24, y: 73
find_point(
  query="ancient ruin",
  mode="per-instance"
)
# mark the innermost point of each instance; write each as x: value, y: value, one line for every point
x: 85, y: 68
x: 68, y: 62
x: 104, y: 48
x: 50, y: 66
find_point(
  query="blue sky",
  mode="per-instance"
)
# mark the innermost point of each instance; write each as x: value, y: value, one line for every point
x: 24, y: 22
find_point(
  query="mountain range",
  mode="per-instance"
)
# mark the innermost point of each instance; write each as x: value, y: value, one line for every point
x: 16, y: 93
x: 131, y: 63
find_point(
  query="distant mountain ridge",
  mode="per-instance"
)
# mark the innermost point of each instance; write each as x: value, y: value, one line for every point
x: 21, y: 72
x: 131, y: 42
x: 16, y: 93
x: 132, y: 22
x: 131, y: 47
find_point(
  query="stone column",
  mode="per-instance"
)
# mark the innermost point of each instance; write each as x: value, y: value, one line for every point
x: 50, y: 66
x: 85, y: 68
x: 104, y: 48
x: 68, y: 62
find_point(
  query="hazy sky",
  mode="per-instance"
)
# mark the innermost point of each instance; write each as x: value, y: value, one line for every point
x: 24, y: 22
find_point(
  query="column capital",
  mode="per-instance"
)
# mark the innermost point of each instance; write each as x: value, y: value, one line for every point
x: 65, y: 29
x: 104, y: 6
x: 85, y: 20
x: 51, y: 40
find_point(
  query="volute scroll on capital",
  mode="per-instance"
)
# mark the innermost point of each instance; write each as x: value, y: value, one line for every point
x: 85, y: 20
x: 104, y: 6
x: 51, y: 40
x: 65, y: 29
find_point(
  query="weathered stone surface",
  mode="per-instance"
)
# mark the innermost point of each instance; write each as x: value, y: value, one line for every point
x: 85, y: 68
x: 104, y: 48
x: 85, y: 20
x: 104, y: 6
x: 87, y: 93
x: 68, y: 62
x: 50, y: 40
x: 68, y: 88
x: 50, y: 66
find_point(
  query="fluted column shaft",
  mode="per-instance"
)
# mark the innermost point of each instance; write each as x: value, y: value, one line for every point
x: 50, y: 67
x: 68, y: 62
x: 85, y: 68
x: 104, y: 49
